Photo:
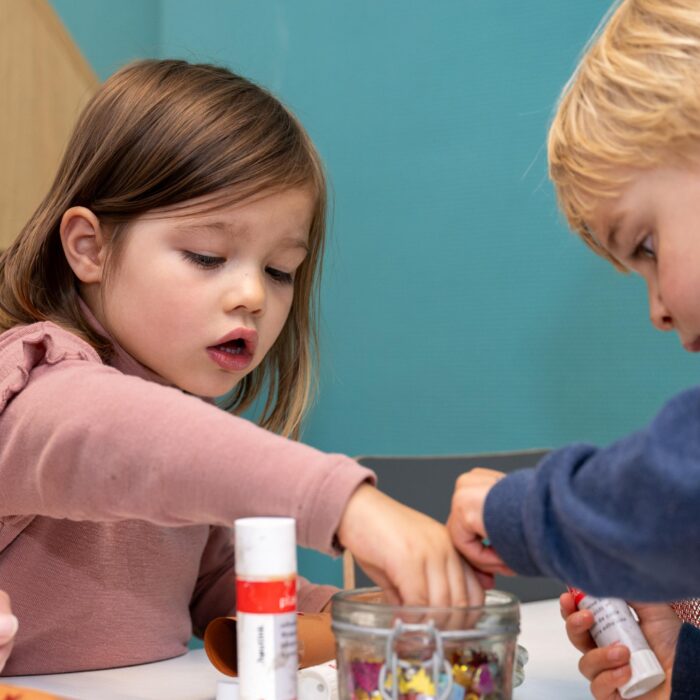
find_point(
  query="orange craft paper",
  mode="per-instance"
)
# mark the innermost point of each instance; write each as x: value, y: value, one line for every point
x: 11, y: 692
x: 314, y: 637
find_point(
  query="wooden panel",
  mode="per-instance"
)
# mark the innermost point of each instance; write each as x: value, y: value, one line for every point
x: 44, y: 83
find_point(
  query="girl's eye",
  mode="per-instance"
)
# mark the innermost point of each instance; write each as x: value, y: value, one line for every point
x: 279, y: 276
x: 207, y: 262
x: 646, y: 249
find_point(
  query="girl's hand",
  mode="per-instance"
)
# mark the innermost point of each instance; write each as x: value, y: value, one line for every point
x: 607, y: 668
x: 405, y: 552
x: 8, y: 628
x: 466, y: 521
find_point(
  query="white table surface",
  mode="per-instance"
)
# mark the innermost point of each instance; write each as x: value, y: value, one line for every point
x: 550, y: 674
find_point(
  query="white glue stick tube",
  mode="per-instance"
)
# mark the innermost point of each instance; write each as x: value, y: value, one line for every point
x: 266, y: 603
x: 614, y: 623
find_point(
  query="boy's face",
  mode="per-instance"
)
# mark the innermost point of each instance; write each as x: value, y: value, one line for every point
x: 200, y: 298
x: 653, y: 228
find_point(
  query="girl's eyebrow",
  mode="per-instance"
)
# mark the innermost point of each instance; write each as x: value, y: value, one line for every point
x: 225, y: 227
x: 212, y: 226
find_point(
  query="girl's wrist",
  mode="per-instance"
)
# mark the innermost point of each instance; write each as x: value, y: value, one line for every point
x: 364, y: 499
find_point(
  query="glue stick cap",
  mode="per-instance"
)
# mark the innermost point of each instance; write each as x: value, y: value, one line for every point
x: 227, y: 690
x: 265, y: 547
x: 646, y: 674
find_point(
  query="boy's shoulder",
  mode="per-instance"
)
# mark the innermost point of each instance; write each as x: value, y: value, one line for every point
x: 23, y: 348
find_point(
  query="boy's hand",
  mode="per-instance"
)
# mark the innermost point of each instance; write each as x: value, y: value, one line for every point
x: 8, y: 628
x: 466, y: 521
x: 405, y: 552
x: 607, y: 668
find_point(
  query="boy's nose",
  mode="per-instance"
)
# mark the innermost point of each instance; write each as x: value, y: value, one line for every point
x: 247, y: 291
x: 658, y: 312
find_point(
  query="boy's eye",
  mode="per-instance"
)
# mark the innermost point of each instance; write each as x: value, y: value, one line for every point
x: 279, y: 276
x: 207, y: 262
x: 646, y: 249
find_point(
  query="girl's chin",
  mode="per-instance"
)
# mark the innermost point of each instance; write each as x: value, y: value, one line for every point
x: 209, y: 390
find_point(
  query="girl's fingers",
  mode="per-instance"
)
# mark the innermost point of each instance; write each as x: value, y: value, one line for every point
x: 459, y: 578
x: 605, y: 685
x: 391, y: 592
x: 476, y: 584
x: 4, y: 602
x: 4, y: 655
x: 8, y: 627
x: 412, y: 585
x: 438, y: 583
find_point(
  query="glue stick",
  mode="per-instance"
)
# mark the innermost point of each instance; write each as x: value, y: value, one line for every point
x: 266, y: 602
x: 614, y: 623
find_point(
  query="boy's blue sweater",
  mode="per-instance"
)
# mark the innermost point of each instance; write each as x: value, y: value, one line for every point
x: 620, y: 521
x: 686, y: 666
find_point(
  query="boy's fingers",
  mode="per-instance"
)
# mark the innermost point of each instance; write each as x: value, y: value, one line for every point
x: 486, y: 581
x: 605, y: 685
x: 597, y: 661
x: 476, y: 553
x: 567, y: 606
x: 578, y: 626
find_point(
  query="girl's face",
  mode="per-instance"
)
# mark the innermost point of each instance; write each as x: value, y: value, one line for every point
x: 200, y: 298
x: 653, y: 228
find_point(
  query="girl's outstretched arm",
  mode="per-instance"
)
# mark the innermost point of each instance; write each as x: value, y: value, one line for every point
x: 82, y: 441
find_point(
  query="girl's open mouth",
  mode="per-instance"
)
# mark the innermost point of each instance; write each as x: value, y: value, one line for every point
x: 234, y: 347
x: 235, y: 351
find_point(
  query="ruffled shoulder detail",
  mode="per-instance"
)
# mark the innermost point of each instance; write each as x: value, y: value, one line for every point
x: 26, y: 347
x: 21, y: 350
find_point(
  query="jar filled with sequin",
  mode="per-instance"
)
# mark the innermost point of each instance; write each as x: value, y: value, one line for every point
x: 394, y: 652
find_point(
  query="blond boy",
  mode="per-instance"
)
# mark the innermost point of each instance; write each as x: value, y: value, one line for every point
x: 624, y: 154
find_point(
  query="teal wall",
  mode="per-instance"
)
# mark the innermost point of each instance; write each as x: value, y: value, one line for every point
x: 459, y: 313
x: 111, y: 33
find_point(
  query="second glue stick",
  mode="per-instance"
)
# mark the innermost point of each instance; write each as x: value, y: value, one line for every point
x: 613, y: 622
x: 266, y: 602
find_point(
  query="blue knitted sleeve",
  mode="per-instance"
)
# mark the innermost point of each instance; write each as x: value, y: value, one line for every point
x: 619, y: 521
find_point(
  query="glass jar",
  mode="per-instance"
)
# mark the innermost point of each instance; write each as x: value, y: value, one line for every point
x: 394, y: 652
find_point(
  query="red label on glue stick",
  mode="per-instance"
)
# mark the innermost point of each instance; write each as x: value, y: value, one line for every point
x: 266, y: 596
x: 578, y: 595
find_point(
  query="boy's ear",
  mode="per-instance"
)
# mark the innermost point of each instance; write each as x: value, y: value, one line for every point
x: 83, y: 244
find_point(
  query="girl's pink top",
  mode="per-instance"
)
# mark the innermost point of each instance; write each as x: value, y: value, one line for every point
x: 118, y: 495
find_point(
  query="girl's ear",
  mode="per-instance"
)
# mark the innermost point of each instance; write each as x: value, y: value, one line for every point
x: 83, y: 244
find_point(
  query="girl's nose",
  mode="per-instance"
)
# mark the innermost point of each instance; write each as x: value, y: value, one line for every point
x: 246, y: 291
x: 658, y: 312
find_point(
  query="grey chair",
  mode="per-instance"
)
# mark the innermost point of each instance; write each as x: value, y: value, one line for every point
x: 427, y: 484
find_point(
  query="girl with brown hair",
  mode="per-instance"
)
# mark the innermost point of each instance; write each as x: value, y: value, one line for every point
x: 175, y: 259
